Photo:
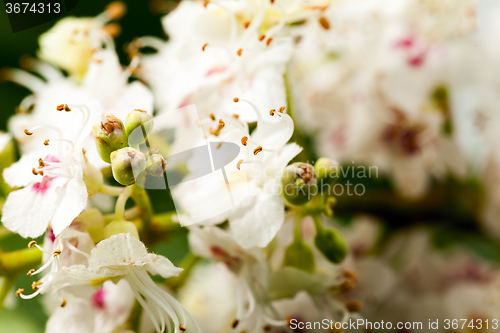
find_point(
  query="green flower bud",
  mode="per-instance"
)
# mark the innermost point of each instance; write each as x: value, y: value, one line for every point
x: 109, y: 135
x: 121, y: 227
x: 299, y: 182
x: 137, y: 118
x: 93, y: 222
x: 299, y: 255
x: 127, y: 165
x: 331, y: 243
x: 92, y: 177
x: 326, y: 171
x: 155, y: 166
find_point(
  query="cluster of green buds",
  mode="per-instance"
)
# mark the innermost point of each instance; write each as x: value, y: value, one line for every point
x: 128, y: 164
x: 306, y: 188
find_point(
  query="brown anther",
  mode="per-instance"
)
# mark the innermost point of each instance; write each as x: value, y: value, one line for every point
x: 66, y: 108
x: 204, y: 46
x: 19, y: 291
x: 34, y: 285
x: 60, y: 107
x: 246, y: 24
x: 236, y: 99
x: 238, y: 165
x: 63, y: 303
x: 40, y: 173
x: 34, y: 171
x: 239, y: 52
x: 31, y: 244
x: 269, y: 40
x: 353, y: 306
x: 350, y: 275
x: 244, y: 140
x: 46, y: 142
x: 115, y: 10
x: 221, y: 123
x: 112, y: 29
x: 56, y: 252
x: 281, y: 109
x: 212, y: 116
x: 288, y: 320
x: 26, y: 62
x: 272, y: 112
x: 30, y: 272
x: 40, y: 163
x: 28, y: 132
x: 346, y: 286
x: 272, y: 1
x: 257, y: 150
x: 324, y: 23
x: 182, y: 328
x: 5, y: 74
x: 267, y: 328
x: 205, y: 4
x: 235, y: 323
x: 261, y: 37
x: 236, y: 116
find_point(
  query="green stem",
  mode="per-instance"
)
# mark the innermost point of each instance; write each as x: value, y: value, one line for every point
x: 16, y: 261
x: 7, y: 284
x: 188, y: 264
x: 120, y: 203
x: 317, y: 222
x: 111, y: 190
x: 297, y: 234
x: 143, y: 203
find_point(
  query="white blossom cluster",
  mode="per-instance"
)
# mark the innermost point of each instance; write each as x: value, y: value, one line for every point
x: 408, y: 86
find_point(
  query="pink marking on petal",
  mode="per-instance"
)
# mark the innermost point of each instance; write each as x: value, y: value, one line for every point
x: 405, y: 43
x: 50, y: 235
x: 97, y: 299
x: 42, y: 186
x: 416, y: 61
x: 51, y: 158
x: 215, y: 70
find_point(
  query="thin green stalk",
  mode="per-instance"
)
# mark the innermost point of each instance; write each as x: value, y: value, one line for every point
x: 188, y: 264
x: 11, y: 262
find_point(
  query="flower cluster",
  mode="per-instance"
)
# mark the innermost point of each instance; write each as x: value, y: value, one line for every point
x: 403, y: 85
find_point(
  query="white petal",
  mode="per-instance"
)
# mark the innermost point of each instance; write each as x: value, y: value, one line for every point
x: 158, y: 265
x: 75, y: 317
x: 117, y: 250
x: 28, y: 211
x: 72, y: 199
x: 20, y: 173
x: 256, y: 225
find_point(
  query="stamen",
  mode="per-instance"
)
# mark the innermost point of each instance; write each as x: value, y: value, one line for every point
x: 212, y: 116
x: 46, y: 142
x: 221, y: 123
x: 204, y: 46
x: 30, y: 272
x: 115, y: 10
x: 281, y: 109
x: 34, y: 171
x: 112, y: 29
x: 288, y: 320
x: 19, y: 292
x: 63, y: 303
x: 28, y: 132
x: 261, y: 37
x: 182, y: 328
x: 236, y: 99
x: 239, y: 52
x: 266, y: 328
x: 238, y: 165
x: 269, y: 40
x: 353, y: 306
x: 34, y: 286
x: 205, y: 4
x: 244, y: 140
x: 56, y: 252
x: 324, y: 23
x: 246, y: 24
x: 272, y: 112
x: 236, y: 116
x: 257, y: 150
x: 235, y: 323
x: 40, y: 163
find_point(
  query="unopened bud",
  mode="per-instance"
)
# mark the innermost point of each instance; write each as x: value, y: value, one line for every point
x: 299, y: 255
x: 155, y: 166
x: 299, y: 182
x: 92, y: 221
x: 121, y: 227
x: 109, y: 135
x: 326, y: 171
x: 139, y: 119
x: 331, y: 243
x: 127, y: 165
x: 92, y: 177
